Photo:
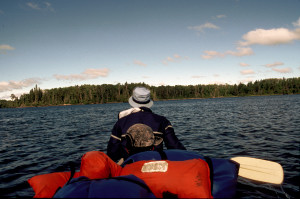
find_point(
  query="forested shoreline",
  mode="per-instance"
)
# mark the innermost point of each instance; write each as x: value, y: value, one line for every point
x: 108, y: 93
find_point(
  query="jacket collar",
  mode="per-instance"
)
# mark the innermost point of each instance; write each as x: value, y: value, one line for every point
x: 145, y: 109
x: 133, y: 110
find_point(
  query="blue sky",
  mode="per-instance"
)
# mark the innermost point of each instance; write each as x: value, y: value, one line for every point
x: 61, y: 43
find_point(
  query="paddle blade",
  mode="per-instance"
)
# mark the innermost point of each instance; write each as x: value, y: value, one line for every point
x: 260, y: 170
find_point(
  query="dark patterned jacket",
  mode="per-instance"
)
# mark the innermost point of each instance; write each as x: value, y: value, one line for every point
x: 161, y: 126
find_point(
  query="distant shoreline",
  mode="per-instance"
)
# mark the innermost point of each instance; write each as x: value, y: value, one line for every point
x: 153, y: 100
x: 108, y: 93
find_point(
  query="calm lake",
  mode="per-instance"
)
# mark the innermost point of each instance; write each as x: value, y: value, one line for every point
x: 45, y: 139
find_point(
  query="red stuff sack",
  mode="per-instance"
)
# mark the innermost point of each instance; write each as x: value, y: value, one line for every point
x: 94, y: 165
x: 45, y: 185
x: 185, y: 179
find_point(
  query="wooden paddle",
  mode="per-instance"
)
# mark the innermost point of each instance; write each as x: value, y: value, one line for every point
x: 260, y: 170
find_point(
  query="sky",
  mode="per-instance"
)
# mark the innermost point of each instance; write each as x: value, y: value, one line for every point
x: 62, y: 43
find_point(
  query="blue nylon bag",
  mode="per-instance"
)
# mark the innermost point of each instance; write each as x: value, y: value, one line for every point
x: 128, y: 186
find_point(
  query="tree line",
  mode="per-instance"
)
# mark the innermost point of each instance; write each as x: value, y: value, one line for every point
x: 108, y: 93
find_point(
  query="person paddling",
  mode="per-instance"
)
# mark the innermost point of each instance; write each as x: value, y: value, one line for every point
x: 140, y: 120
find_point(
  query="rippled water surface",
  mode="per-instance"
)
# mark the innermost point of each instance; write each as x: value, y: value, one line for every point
x: 45, y: 139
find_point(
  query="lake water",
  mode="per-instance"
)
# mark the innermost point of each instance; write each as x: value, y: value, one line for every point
x: 45, y: 139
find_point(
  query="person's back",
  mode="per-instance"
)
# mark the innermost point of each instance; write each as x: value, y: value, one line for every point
x: 141, y: 114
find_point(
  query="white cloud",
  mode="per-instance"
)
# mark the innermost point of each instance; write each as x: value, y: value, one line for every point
x: 5, y: 47
x: 91, y: 73
x: 49, y: 6
x: 221, y: 16
x: 177, y: 56
x: 282, y: 70
x: 137, y: 62
x: 94, y: 73
x: 270, y: 37
x: 240, y: 51
x: 247, y: 72
x: 273, y: 64
x: 297, y: 23
x: 161, y: 84
x: 201, y: 28
x: 244, y: 64
x: 174, y: 58
x: 217, y: 82
x: 170, y: 59
x: 11, y: 85
x: 44, y: 6
x: 247, y: 80
x: 33, y: 5
x: 209, y: 54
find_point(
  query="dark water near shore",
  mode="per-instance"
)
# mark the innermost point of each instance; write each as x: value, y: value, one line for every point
x: 45, y: 139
